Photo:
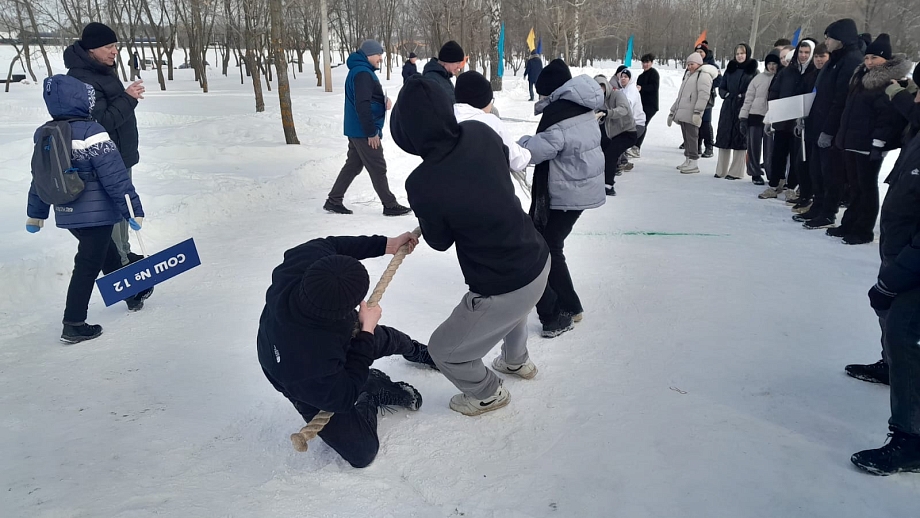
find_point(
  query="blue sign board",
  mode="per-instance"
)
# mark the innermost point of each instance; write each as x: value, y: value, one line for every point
x: 148, y: 272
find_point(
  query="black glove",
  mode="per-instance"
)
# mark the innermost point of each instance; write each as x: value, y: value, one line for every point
x: 743, y: 126
x: 880, y: 298
x: 876, y: 154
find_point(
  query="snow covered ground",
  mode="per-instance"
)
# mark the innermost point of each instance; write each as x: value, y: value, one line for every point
x: 706, y: 379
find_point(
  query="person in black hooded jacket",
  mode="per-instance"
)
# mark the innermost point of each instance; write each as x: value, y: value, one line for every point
x: 870, y: 126
x: 409, y: 69
x: 896, y: 300
x: 92, y: 60
x: 731, y: 138
x: 309, y: 350
x: 463, y: 196
x: 823, y: 121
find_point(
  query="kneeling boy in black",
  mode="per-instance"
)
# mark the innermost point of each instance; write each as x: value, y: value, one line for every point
x: 310, y: 353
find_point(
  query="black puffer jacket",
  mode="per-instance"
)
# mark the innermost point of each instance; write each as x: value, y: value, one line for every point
x: 899, y: 241
x: 114, y: 108
x: 792, y: 81
x: 869, y: 116
x: 831, y: 89
x: 436, y: 72
x: 408, y: 70
x: 734, y: 85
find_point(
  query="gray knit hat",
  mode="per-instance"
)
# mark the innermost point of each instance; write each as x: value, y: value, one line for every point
x: 371, y: 48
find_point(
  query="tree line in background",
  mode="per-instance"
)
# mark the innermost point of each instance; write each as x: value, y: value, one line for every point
x: 264, y: 39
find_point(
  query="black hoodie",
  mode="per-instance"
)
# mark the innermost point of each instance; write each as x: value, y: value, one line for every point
x: 114, y: 108
x: 462, y: 193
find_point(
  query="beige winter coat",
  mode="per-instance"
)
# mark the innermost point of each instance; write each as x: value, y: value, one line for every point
x: 694, y: 94
x: 756, y: 100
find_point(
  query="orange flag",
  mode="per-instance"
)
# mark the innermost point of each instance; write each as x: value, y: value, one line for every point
x: 700, y: 39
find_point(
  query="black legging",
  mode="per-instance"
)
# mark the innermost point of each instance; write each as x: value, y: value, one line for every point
x: 613, y: 148
x: 559, y: 295
x: 95, y: 253
x: 648, y: 122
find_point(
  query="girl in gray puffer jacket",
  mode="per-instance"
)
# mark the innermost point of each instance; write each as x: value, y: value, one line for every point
x: 618, y: 130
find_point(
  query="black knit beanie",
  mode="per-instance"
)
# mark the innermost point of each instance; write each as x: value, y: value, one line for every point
x: 97, y: 35
x: 772, y: 57
x: 332, y: 287
x: 474, y: 89
x: 843, y: 30
x: 881, y: 47
x: 451, y: 52
x: 554, y: 75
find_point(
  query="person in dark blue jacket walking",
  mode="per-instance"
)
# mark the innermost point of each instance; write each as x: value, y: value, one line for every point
x: 101, y: 205
x: 532, y: 71
x: 365, y: 113
x: 309, y: 348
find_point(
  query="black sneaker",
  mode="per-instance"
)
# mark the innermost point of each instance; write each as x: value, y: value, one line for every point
x: 385, y: 394
x: 806, y: 216
x: 707, y: 153
x: 73, y: 334
x: 610, y: 191
x: 836, y: 231
x: 854, y: 239
x: 757, y: 180
x: 900, y: 455
x: 133, y: 258
x: 136, y: 302
x: 396, y: 210
x: 873, y: 373
x: 420, y: 355
x: 557, y: 326
x: 681, y: 146
x: 335, y: 208
x: 819, y: 222
x: 802, y: 203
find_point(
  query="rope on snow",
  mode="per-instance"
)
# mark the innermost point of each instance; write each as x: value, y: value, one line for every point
x: 321, y: 419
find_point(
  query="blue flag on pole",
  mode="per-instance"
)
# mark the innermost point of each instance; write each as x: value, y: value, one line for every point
x: 148, y: 272
x: 629, y: 52
x: 501, y: 52
x: 795, y: 37
x: 540, y: 46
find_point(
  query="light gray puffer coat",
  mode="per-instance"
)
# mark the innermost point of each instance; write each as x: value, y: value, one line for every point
x: 573, y: 148
x: 618, y: 116
x: 756, y: 99
x: 694, y: 94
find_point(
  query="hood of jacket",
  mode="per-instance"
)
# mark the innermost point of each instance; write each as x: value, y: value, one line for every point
x: 581, y: 90
x: 881, y: 76
x: 710, y: 70
x: 748, y: 67
x: 68, y: 98
x: 803, y: 68
x: 437, y: 68
x: 358, y: 59
x: 602, y: 80
x: 465, y: 111
x: 76, y: 56
x: 423, y: 121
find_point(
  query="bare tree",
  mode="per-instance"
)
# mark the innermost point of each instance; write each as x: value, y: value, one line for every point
x: 284, y: 88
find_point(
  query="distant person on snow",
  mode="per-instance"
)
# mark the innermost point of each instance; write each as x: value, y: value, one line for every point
x: 409, y: 69
x: 99, y: 207
x: 92, y: 60
x: 618, y: 130
x: 532, y: 70
x: 464, y: 197
x: 309, y: 349
x: 688, y: 108
x: 647, y: 84
x: 365, y: 112
x: 448, y: 64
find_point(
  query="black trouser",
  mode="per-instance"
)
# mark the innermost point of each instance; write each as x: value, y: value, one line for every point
x: 530, y: 85
x: 559, y: 295
x: 706, y: 130
x: 755, y: 143
x: 95, y: 253
x: 362, y: 156
x: 901, y: 344
x: 613, y: 148
x: 814, y: 173
x: 862, y: 211
x: 834, y: 176
x: 648, y: 122
x: 353, y: 434
x: 787, y: 149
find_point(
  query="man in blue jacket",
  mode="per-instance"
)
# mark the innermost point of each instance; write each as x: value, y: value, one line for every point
x: 365, y: 112
x: 532, y: 71
x: 309, y: 350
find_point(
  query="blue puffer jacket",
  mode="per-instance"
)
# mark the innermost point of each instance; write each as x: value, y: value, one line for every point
x: 94, y: 156
x: 365, y: 104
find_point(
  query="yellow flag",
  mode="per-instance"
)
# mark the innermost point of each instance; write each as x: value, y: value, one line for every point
x: 530, y: 40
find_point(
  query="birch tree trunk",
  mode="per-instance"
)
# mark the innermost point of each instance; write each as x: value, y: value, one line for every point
x: 284, y: 88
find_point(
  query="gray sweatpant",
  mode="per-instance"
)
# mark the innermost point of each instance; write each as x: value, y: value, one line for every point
x: 458, y: 345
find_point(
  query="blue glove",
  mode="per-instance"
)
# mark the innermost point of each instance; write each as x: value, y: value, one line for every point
x: 33, y: 225
x: 32, y: 229
x: 825, y: 140
x: 135, y: 224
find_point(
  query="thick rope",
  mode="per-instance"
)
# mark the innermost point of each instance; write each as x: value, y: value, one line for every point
x: 321, y: 419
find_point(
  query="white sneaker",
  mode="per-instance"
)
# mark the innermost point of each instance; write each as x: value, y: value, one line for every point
x: 468, y: 405
x: 526, y: 370
x: 685, y: 164
x: 690, y: 168
x: 632, y: 152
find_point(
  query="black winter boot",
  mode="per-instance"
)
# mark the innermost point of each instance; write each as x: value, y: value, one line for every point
x: 816, y: 223
x: 396, y: 210
x: 901, y: 454
x: 420, y: 355
x: 557, y: 326
x: 873, y: 373
x: 335, y: 208
x: 76, y: 333
x: 707, y: 153
x: 858, y: 239
x: 136, y: 302
x: 385, y: 394
x: 757, y: 180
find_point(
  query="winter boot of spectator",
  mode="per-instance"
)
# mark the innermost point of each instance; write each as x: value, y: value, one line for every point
x: 808, y: 215
x: 557, y: 326
x: 468, y: 405
x: 610, y: 190
x: 873, y: 373
x: 80, y: 332
x: 801, y: 206
x: 837, y: 231
x: 858, y: 239
x: 526, y: 370
x: 707, y: 153
x: 420, y: 355
x: 385, y: 394
x: 900, y: 455
x: 819, y: 222
x: 757, y: 180
x: 685, y: 164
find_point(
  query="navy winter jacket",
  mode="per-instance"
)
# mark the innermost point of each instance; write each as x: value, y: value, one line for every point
x: 95, y: 156
x: 831, y: 87
x: 533, y: 68
x: 311, y: 361
x: 899, y: 225
x: 365, y: 104
x: 114, y: 108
